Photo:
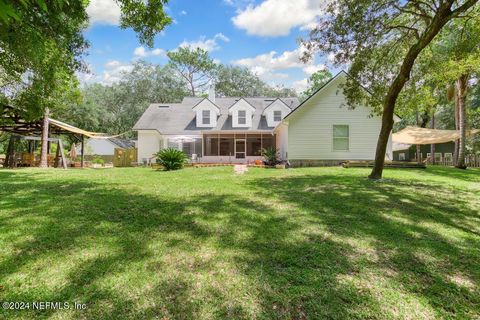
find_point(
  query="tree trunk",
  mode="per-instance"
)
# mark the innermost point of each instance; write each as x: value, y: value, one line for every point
x: 192, y: 88
x: 419, y: 150
x: 461, y: 91
x: 10, y: 157
x: 442, y: 16
x: 44, y: 152
x: 457, y: 127
x: 432, y: 146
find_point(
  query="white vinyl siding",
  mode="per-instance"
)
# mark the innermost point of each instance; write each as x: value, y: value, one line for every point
x: 310, y: 128
x: 275, y: 112
x: 206, y: 116
x: 241, y: 113
x: 149, y: 143
x: 341, y: 137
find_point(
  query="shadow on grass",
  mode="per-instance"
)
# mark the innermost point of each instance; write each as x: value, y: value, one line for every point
x: 469, y: 174
x: 135, y: 255
x: 414, y: 227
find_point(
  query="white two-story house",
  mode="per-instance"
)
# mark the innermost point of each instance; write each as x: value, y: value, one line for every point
x: 321, y: 130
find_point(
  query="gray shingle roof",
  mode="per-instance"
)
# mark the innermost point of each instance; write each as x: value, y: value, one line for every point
x: 122, y: 143
x: 179, y: 118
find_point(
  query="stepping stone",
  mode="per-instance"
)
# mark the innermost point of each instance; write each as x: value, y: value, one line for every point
x: 240, y: 168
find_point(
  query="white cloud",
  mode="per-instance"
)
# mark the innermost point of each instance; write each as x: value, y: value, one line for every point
x: 311, y: 69
x: 113, y: 72
x: 277, y: 17
x: 141, y: 52
x: 273, y: 60
x: 206, y: 44
x: 183, y: 13
x: 103, y: 12
x: 238, y: 3
x: 300, y: 85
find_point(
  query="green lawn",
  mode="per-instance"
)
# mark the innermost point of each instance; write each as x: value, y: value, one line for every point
x: 271, y: 244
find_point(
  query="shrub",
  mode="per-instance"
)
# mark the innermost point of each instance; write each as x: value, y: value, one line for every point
x: 171, y: 159
x: 270, y: 155
x: 98, y: 161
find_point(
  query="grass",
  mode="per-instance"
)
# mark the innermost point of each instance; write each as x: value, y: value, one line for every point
x: 270, y: 244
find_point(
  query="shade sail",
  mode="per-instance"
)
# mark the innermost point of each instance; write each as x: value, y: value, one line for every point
x: 73, y: 129
x: 415, y: 135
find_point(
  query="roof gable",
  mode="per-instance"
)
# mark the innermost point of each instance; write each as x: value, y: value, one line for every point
x: 277, y: 102
x: 241, y: 103
x: 328, y: 83
x: 206, y: 103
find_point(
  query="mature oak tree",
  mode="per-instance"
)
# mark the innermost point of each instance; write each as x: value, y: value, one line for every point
x: 381, y: 40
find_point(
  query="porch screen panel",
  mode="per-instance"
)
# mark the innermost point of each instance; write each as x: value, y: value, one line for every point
x: 254, y: 145
x: 268, y: 141
x: 227, y: 144
x: 211, y: 144
x: 198, y: 147
x: 187, y: 148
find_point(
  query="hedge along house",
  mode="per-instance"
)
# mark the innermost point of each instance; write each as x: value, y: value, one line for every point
x: 323, y: 130
x: 212, y: 130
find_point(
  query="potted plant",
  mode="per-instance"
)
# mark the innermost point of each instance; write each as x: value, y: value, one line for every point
x: 98, y: 163
x: 271, y: 156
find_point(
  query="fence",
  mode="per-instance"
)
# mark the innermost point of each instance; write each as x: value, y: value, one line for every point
x: 471, y: 160
x: 124, y: 157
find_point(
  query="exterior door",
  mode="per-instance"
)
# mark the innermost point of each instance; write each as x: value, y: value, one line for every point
x: 240, y: 148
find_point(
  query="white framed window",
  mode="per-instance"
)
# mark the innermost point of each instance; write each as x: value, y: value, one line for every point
x: 242, y: 117
x: 341, y: 137
x: 401, y: 156
x: 206, y: 116
x: 277, y: 115
x: 438, y: 157
x: 448, y: 157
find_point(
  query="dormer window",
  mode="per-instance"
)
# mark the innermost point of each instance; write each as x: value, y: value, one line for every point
x: 206, y: 116
x: 277, y: 115
x: 242, y: 116
x: 275, y: 112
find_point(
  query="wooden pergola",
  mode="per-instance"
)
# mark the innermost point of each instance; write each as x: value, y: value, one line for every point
x: 12, y: 122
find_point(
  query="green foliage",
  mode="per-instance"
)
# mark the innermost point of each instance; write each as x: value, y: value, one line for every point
x: 271, y: 155
x: 171, y: 159
x: 235, y: 81
x: 316, y: 81
x: 373, y: 37
x: 115, y: 109
x: 146, y: 18
x: 42, y: 46
x: 98, y: 161
x: 193, y: 65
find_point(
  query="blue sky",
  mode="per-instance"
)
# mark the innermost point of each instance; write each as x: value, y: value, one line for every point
x: 261, y: 35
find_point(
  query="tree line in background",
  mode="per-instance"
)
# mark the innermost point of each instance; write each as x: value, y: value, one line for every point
x: 115, y: 108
